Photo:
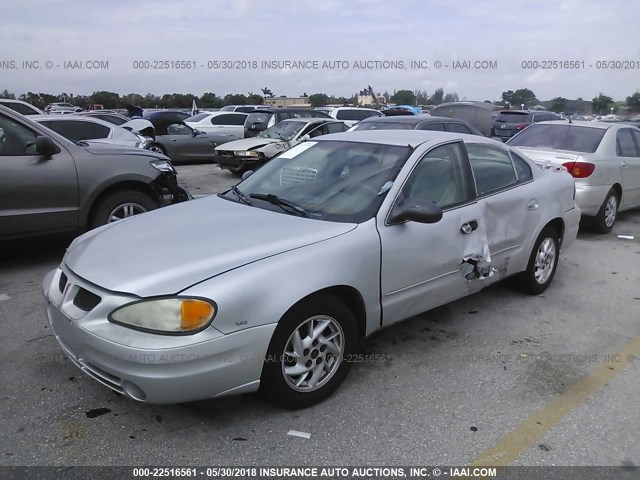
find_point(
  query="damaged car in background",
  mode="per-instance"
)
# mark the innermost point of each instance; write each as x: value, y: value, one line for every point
x: 391, y: 223
x: 49, y: 184
x: 247, y: 154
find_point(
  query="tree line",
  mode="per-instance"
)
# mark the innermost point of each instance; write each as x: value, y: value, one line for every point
x: 514, y: 99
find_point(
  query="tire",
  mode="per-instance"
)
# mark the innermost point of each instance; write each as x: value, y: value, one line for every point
x: 157, y: 148
x: 131, y: 202
x: 535, y: 280
x: 606, y: 217
x: 331, y: 368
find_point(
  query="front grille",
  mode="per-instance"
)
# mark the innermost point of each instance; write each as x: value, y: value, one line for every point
x: 291, y: 175
x: 63, y: 282
x: 226, y: 153
x: 85, y: 300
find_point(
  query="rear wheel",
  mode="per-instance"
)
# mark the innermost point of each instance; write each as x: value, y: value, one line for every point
x: 605, y: 219
x: 306, y: 357
x: 543, y: 263
x: 121, y: 204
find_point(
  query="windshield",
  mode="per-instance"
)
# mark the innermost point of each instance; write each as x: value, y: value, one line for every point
x: 330, y: 180
x: 383, y: 126
x: 559, y: 137
x: 283, y: 130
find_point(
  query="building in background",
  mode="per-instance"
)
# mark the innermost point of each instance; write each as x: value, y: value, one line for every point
x: 282, y: 102
x: 365, y: 99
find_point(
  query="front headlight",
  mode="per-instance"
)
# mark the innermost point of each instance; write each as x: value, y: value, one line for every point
x: 175, y: 315
x: 163, y: 165
x: 246, y: 153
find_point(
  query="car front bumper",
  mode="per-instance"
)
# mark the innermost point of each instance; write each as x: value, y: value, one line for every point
x: 235, y: 163
x: 590, y: 198
x: 148, y: 367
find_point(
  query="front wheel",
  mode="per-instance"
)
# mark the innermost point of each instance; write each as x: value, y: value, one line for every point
x: 157, y: 148
x: 121, y: 204
x: 308, y: 355
x: 543, y: 263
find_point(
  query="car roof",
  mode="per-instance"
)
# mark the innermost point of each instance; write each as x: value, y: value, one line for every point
x: 80, y: 118
x: 276, y: 110
x: 404, y: 137
x: 580, y: 123
x: 309, y: 120
x: 412, y: 119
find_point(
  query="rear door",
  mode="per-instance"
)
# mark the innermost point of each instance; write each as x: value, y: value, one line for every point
x: 628, y: 151
x: 37, y: 194
x: 504, y: 182
x: 423, y: 265
x: 229, y: 123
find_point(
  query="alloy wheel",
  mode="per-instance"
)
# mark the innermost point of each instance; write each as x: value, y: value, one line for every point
x: 545, y: 260
x: 125, y: 210
x: 313, y: 353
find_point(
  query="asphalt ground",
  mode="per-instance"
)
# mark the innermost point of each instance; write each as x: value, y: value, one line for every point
x: 497, y: 378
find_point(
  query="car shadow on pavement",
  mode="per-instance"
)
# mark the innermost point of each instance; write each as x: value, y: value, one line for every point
x: 32, y: 251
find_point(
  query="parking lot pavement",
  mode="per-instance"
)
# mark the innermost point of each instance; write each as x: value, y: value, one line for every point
x: 205, y: 179
x: 496, y: 372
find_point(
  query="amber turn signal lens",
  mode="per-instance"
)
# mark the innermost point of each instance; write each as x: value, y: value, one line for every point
x: 194, y: 314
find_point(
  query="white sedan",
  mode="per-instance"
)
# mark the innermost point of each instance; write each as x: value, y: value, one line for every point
x: 93, y: 130
x: 229, y: 123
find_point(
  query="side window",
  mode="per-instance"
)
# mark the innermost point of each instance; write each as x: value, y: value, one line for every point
x: 636, y: 137
x: 79, y: 130
x: 432, y: 126
x: 457, y: 127
x: 237, y: 119
x: 523, y: 170
x: 223, y: 119
x: 15, y: 139
x: 626, y: 145
x: 440, y: 177
x: 178, y: 129
x: 336, y: 127
x: 492, y: 168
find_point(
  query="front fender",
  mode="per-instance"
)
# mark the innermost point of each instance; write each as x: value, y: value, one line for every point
x: 260, y: 293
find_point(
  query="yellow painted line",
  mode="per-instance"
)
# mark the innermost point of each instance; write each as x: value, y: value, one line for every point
x: 516, y: 442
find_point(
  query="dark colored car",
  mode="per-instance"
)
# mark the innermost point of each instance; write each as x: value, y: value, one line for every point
x: 179, y: 141
x: 416, y: 122
x: 49, y: 184
x: 262, y: 118
x: 509, y: 122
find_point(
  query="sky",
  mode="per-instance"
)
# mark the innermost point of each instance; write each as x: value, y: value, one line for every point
x: 508, y: 33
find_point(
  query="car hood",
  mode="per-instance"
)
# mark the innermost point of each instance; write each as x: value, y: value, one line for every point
x: 248, y: 143
x: 543, y: 155
x: 97, y: 148
x: 167, y: 250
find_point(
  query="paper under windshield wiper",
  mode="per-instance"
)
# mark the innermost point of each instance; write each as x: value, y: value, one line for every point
x: 238, y: 193
x: 281, y: 202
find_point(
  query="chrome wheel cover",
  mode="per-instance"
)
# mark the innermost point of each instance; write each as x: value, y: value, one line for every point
x: 610, y: 211
x: 313, y: 353
x: 545, y: 260
x: 125, y: 210
x: 156, y: 149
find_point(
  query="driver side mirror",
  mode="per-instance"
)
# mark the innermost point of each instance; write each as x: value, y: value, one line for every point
x: 45, y: 146
x: 246, y: 174
x: 304, y: 138
x: 413, y: 211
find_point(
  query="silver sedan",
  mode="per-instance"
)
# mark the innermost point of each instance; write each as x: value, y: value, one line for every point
x: 271, y: 284
x: 604, y: 159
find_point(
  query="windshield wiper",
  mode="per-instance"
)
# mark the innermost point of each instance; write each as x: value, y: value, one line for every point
x: 238, y: 193
x: 280, y: 202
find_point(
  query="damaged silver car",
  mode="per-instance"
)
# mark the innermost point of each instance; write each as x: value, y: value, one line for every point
x: 277, y: 279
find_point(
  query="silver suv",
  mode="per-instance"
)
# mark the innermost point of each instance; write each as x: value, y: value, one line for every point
x: 49, y: 184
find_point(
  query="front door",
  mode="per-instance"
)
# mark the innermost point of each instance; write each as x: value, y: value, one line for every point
x: 424, y: 265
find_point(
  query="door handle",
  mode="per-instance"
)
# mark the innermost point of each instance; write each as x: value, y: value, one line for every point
x: 469, y: 226
x: 623, y: 164
x: 533, y: 204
